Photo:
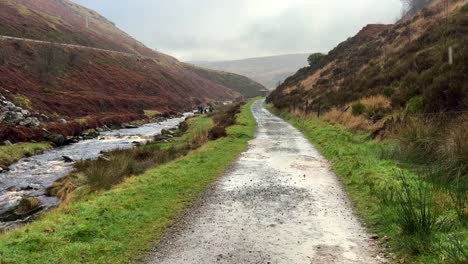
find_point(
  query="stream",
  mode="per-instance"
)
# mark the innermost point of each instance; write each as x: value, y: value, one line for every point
x: 30, y: 177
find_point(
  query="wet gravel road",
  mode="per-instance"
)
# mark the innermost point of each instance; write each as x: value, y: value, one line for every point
x: 279, y: 203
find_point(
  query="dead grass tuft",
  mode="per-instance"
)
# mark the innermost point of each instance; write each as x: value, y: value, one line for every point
x: 376, y: 101
x: 347, y: 119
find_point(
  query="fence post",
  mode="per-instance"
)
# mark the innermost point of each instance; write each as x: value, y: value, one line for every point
x: 450, y: 55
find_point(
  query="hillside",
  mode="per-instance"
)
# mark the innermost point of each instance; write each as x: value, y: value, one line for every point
x: 74, y: 81
x: 406, y: 62
x: 268, y: 71
x: 63, y: 21
x: 236, y: 82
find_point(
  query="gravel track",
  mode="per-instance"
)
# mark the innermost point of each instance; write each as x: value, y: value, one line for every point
x: 279, y: 203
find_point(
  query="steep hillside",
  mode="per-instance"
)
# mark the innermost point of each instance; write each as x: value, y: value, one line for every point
x: 86, y: 78
x: 268, y: 71
x: 75, y: 82
x: 406, y: 62
x: 238, y: 83
x: 66, y: 22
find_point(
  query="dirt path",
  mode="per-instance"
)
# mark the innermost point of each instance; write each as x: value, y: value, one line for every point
x: 2, y: 37
x: 279, y: 203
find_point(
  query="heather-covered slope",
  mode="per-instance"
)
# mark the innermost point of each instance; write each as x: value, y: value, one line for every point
x: 66, y: 22
x: 77, y: 82
x: 406, y: 62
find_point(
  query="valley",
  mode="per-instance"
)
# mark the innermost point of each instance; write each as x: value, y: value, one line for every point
x: 112, y: 151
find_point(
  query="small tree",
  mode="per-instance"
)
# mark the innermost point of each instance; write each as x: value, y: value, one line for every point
x: 314, y: 59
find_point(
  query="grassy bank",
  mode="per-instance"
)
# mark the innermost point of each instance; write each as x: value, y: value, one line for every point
x: 420, y: 220
x: 120, y: 225
x: 13, y: 153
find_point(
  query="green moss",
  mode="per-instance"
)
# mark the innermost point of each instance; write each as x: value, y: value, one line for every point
x: 13, y: 153
x: 81, y: 120
x: 121, y: 225
x: 22, y: 101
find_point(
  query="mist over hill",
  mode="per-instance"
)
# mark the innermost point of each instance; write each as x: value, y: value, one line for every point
x: 268, y: 71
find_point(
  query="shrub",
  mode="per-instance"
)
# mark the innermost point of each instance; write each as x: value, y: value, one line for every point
x: 198, y: 137
x: 314, y: 59
x: 358, y: 108
x: 217, y: 132
x: 223, y: 118
x: 376, y: 106
x: 464, y: 9
x: 107, y: 172
x: 417, y: 210
x: 415, y: 104
x: 418, y: 138
x: 440, y: 143
x: 388, y: 91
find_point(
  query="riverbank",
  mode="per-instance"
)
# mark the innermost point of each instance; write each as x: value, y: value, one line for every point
x: 12, y: 153
x: 120, y: 225
x: 418, y: 220
x: 52, y: 135
x: 24, y: 186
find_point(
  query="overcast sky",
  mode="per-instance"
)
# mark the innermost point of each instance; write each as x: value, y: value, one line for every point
x: 234, y: 29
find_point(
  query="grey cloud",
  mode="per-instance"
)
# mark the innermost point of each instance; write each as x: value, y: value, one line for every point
x: 231, y: 29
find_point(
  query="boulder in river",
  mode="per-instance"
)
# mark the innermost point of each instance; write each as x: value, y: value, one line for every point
x: 67, y: 159
x: 129, y: 126
x: 57, y: 139
x: 165, y: 132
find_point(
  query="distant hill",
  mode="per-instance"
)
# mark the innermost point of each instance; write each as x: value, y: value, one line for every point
x: 76, y: 81
x: 268, y: 71
x: 236, y: 82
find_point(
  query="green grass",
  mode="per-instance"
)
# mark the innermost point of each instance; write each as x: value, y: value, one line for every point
x: 121, y: 225
x: 13, y: 153
x: 418, y: 218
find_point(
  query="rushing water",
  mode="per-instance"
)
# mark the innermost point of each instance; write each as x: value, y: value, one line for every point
x: 30, y: 177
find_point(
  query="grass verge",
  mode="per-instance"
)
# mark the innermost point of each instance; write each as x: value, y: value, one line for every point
x: 13, y: 153
x: 121, y: 225
x: 420, y: 220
